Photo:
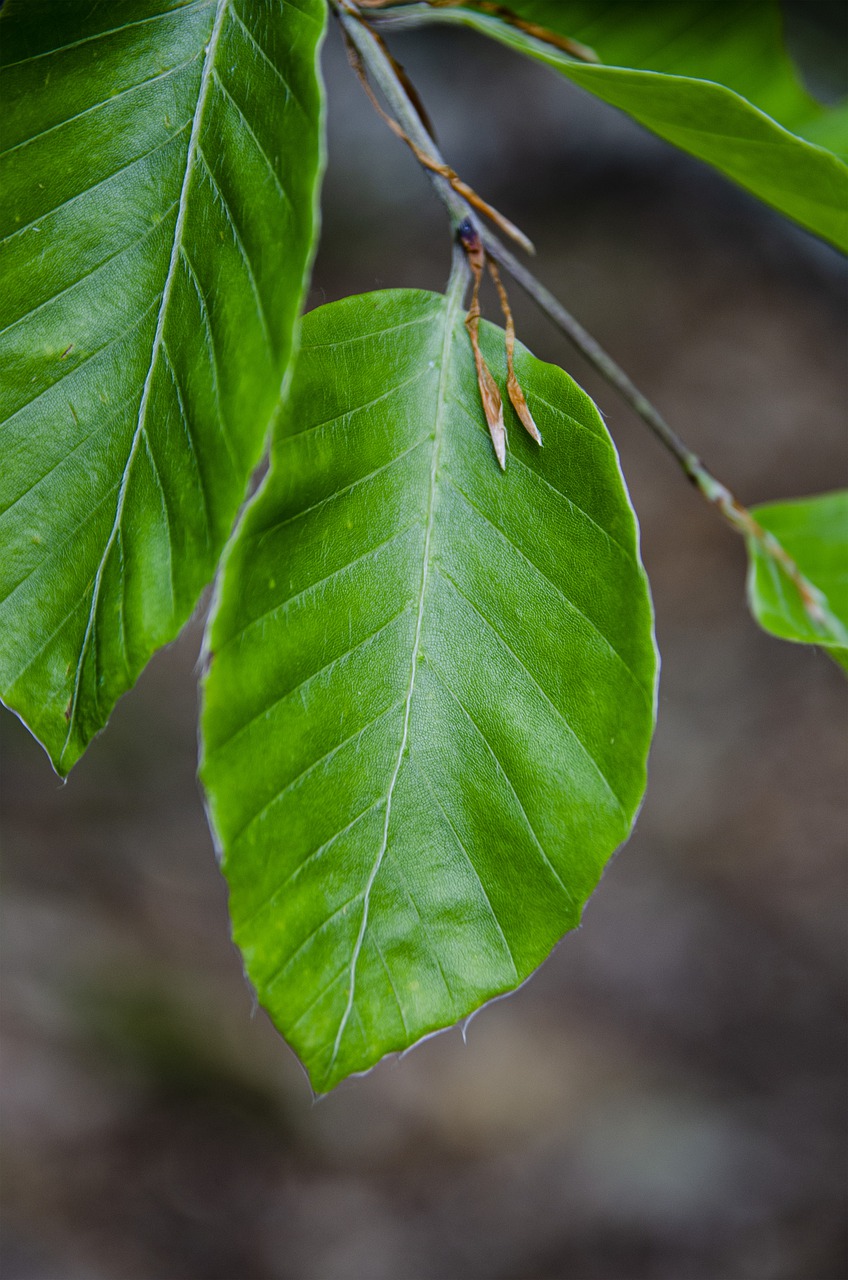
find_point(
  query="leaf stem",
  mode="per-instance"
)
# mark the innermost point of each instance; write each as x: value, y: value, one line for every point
x: 379, y: 64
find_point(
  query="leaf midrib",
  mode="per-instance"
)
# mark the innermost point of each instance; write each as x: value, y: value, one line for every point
x: 453, y: 300
x: 176, y: 246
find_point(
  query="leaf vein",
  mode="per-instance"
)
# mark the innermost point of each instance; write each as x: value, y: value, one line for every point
x: 209, y: 343
x: 298, y: 595
x: 359, y: 408
x: 452, y: 306
x: 104, y: 102
x: 575, y: 506
x: 280, y: 973
x: 433, y: 952
x: 547, y: 861
x: 247, y: 125
x: 275, y: 69
x: 194, y: 140
x: 345, y: 489
x: 53, y: 634
x: 54, y: 551
x: 365, y: 337
x: 239, y: 243
x: 89, y: 275
x: 322, y: 760
x: 148, y: 448
x: 184, y: 419
x: 124, y: 168
x: 379, y: 951
x: 303, y: 684
x: 111, y: 31
x: 82, y: 363
x: 274, y: 893
x: 320, y: 996
x: 494, y: 915
x: 551, y: 704
x: 65, y: 457
x: 558, y: 591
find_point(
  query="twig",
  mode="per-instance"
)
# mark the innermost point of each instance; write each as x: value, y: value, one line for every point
x: 365, y: 47
x: 716, y: 493
x: 379, y: 64
x: 406, y: 15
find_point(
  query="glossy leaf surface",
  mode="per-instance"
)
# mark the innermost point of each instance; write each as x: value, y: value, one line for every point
x: 669, y: 57
x: 814, y: 531
x: 431, y: 684
x: 157, y: 204
x: 737, y: 43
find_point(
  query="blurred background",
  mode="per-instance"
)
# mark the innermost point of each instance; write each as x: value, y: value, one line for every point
x: 665, y: 1099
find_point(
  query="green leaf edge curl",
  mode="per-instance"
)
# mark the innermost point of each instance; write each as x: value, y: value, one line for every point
x: 747, y: 145
x: 272, y: 787
x: 116, y: 516
x: 814, y: 532
x: 737, y: 43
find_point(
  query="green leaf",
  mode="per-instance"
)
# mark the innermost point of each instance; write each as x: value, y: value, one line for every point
x: 735, y: 43
x: 431, y: 684
x: 157, y: 208
x: 814, y: 532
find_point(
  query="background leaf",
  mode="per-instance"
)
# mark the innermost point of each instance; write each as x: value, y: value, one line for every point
x: 737, y: 43
x: 814, y: 531
x: 431, y: 684
x: 667, y: 57
x: 158, y: 180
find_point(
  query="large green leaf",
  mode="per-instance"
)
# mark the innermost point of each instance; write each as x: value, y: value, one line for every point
x: 157, y: 205
x: 814, y: 532
x: 431, y: 684
x: 736, y: 43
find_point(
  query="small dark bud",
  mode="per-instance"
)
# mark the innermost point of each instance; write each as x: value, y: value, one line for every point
x: 467, y: 234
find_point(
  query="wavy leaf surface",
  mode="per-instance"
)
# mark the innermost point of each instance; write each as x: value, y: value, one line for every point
x: 737, y: 43
x: 431, y: 685
x: 814, y: 531
x: 671, y: 56
x: 157, y: 206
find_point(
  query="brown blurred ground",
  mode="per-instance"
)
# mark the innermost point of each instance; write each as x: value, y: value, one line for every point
x: 665, y: 1099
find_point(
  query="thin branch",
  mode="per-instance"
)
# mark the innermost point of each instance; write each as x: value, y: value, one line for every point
x: 405, y: 15
x: 367, y: 50
x: 716, y: 493
x: 380, y: 66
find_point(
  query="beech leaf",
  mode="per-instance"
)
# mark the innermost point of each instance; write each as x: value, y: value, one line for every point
x: 158, y: 182
x: 814, y: 532
x: 431, y: 684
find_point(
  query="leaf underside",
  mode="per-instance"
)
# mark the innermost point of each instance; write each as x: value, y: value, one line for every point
x: 814, y: 532
x: 668, y: 58
x: 157, y: 206
x: 431, y: 685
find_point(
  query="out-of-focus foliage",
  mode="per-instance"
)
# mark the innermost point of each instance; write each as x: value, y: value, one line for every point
x: 814, y: 532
